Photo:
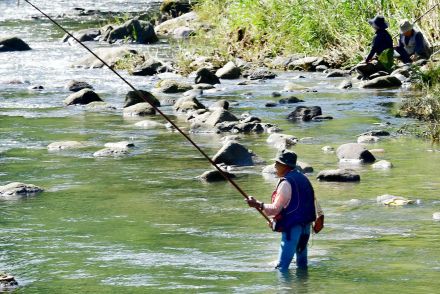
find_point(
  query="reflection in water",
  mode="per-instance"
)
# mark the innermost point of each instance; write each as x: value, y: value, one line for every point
x: 294, y: 281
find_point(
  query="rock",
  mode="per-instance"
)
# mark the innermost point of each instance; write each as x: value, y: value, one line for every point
x: 367, y: 139
x: 328, y: 149
x: 290, y: 100
x: 84, y: 96
x: 133, y: 98
x: 250, y: 118
x: 220, y: 116
x: 13, y: 44
x: 203, y: 86
x: 261, y: 74
x: 337, y: 73
x: 306, y: 63
x: 172, y: 86
x: 214, y: 176
x: 221, y: 104
x: 321, y: 68
x: 149, y: 124
x: 205, y: 76
x: 273, y: 129
x: 7, y: 282
x: 382, y: 82
x: 383, y: 164
x: 139, y: 31
x: 304, y: 167
x: 304, y: 113
x: 83, y: 35
x: 193, y: 93
x: 13, y: 190
x: 338, y: 175
x: 354, y: 202
x: 119, y: 145
x: 186, y: 104
x: 175, y: 7
x: 35, y: 88
x: 436, y: 216
x: 276, y: 94
x: 229, y: 71
x: 247, y: 128
x: 233, y: 153
x: 270, y: 104
x: 168, y: 101
x: 107, y: 152
x: 378, y: 74
x: 139, y: 109
x: 99, y: 106
x: 148, y: 68
x: 347, y: 84
x: 282, y: 141
x: 291, y: 87
x: 376, y: 133
x: 404, y: 71
x: 354, y: 151
x: 64, y: 145
x: 183, y: 32
x: 110, y: 55
x: 377, y: 151
x: 322, y: 117
x: 167, y: 28
x: 75, y: 86
x: 392, y: 200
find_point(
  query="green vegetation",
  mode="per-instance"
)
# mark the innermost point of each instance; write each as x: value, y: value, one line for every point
x: 254, y: 30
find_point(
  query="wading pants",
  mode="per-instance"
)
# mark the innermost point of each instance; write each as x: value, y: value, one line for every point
x: 296, y: 244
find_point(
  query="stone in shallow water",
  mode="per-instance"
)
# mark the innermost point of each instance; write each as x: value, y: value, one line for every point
x: 354, y: 151
x: 383, y: 164
x: 338, y: 175
x: 214, y: 176
x: 7, y: 282
x: 328, y: 149
x: 392, y: 200
x: 149, y: 124
x: 119, y: 145
x: 62, y: 145
x: 109, y: 152
x: 367, y: 139
x: 12, y: 190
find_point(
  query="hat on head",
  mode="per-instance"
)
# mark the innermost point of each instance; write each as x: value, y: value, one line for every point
x: 378, y: 22
x: 405, y: 26
x: 287, y: 158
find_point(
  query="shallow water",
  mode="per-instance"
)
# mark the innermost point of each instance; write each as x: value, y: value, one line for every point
x: 142, y: 223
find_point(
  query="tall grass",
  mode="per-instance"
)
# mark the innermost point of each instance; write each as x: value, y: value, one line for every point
x: 255, y: 29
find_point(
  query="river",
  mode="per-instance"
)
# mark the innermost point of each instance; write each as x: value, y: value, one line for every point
x: 144, y: 224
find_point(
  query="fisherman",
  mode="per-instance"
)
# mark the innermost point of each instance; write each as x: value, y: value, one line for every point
x: 382, y: 48
x: 293, y: 210
x: 412, y: 44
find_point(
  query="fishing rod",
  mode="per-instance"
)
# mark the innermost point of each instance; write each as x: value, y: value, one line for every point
x: 232, y: 182
x: 421, y: 16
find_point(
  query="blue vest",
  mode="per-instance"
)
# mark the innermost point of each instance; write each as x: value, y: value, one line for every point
x: 301, y: 208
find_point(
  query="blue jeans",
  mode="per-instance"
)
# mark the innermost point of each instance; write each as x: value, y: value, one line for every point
x: 288, y: 248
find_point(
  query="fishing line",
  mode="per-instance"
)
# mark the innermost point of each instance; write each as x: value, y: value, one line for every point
x: 232, y: 182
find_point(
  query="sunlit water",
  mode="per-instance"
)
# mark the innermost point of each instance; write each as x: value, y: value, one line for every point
x: 143, y: 223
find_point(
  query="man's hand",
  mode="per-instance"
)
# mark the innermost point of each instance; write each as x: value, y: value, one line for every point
x: 252, y: 202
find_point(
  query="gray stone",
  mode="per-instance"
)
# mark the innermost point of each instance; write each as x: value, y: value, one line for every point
x: 16, y: 190
x: 119, y: 145
x: 13, y: 44
x: 261, y: 74
x: 282, y: 141
x: 229, y: 71
x: 110, y: 55
x: 168, y: 27
x: 139, y: 31
x: 377, y: 133
x: 84, y: 96
x: 347, y: 84
x: 219, y: 116
x: 221, y: 104
x: 306, y: 63
x: 383, y: 164
x: 133, y: 98
x: 248, y: 128
x: 290, y: 100
x: 203, y: 86
x: 175, y: 7
x: 148, y: 68
x: 63, y: 145
x: 354, y: 151
x: 83, y: 35
x: 215, y: 176
x: 305, y: 113
x: 205, y: 76
x: 75, y: 86
x: 337, y: 73
x: 270, y: 104
x: 322, y: 117
x: 109, y: 152
x: 186, y: 104
x: 172, y: 86
x: 139, y: 109
x: 367, y: 139
x: 392, y: 200
x: 321, y: 68
x: 233, y: 153
x: 383, y: 82
x: 338, y: 175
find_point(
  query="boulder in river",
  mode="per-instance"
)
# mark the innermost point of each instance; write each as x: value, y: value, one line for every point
x: 304, y: 167
x: 110, y: 55
x: 16, y: 190
x: 305, y: 113
x: 167, y: 28
x: 84, y: 96
x: 337, y: 73
x: 172, y: 86
x: 205, y: 76
x: 83, y: 35
x: 392, y: 200
x: 306, y: 63
x: 111, y: 152
x: 261, y: 74
x: 75, y: 86
x: 233, y: 153
x: 219, y: 116
x: 133, y: 98
x: 229, y: 71
x: 382, y: 164
x: 139, y: 31
x: 139, y: 109
x: 367, y: 139
x: 282, y: 141
x: 64, y: 145
x: 214, y: 176
x: 346, y: 84
x: 119, y: 145
x: 338, y: 175
x: 186, y: 104
x: 148, y: 68
x: 376, y: 133
x: 354, y: 151
x: 290, y: 100
x: 7, y: 282
x: 13, y: 44
x: 383, y: 82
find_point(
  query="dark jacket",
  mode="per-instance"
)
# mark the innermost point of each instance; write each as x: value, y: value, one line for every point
x: 381, y: 41
x: 415, y: 44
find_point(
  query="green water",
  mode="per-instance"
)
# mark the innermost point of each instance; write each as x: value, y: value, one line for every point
x: 143, y: 224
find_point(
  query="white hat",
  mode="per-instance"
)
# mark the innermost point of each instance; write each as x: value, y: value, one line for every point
x: 405, y: 26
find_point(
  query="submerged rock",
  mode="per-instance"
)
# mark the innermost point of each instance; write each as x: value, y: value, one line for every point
x: 338, y: 175
x: 119, y: 145
x: 367, y: 139
x: 82, y: 97
x: 13, y: 44
x: 109, y: 152
x: 83, y: 35
x: 304, y: 167
x: 148, y: 68
x: 328, y: 149
x: 282, y: 141
x: 392, y: 200
x: 220, y: 116
x: 290, y: 100
x: 63, y: 145
x: 149, y: 124
x: 13, y: 190
x: 75, y: 86
x: 337, y: 73
x: 172, y: 86
x: 305, y: 113
x: 383, y: 164
x: 347, y: 84
x: 233, y: 153
x: 110, y: 55
x: 354, y: 151
x: 261, y: 74
x: 7, y: 282
x: 139, y: 109
x: 214, y: 176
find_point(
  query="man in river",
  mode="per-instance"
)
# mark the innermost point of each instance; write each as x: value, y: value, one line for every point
x: 412, y: 44
x: 293, y: 210
x: 381, y: 47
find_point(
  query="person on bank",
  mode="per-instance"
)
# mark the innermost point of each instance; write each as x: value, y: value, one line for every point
x: 381, y: 49
x: 293, y: 209
x: 412, y: 44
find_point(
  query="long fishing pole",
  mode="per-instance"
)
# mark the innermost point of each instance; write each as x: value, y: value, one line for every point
x: 155, y: 108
